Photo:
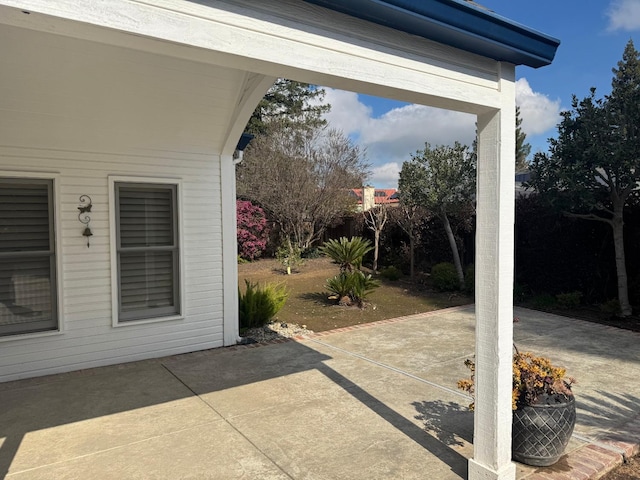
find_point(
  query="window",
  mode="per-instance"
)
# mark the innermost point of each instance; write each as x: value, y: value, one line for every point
x: 28, y: 298
x: 147, y: 251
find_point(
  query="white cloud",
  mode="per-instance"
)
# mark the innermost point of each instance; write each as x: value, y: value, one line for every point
x: 413, y: 125
x: 392, y: 137
x: 347, y: 112
x: 624, y: 15
x: 538, y: 112
x: 385, y: 176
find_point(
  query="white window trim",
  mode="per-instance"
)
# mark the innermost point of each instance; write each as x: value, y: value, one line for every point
x: 54, y: 177
x: 113, y: 179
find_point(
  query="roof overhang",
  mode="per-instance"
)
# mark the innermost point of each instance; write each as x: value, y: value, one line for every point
x: 457, y: 23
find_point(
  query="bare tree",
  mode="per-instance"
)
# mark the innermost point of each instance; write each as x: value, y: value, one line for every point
x: 375, y: 219
x: 409, y: 217
x: 301, y: 177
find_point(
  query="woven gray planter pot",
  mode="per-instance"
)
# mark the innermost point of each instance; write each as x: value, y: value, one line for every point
x: 541, y: 432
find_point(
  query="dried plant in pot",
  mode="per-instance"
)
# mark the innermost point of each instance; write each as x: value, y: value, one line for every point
x: 544, y: 412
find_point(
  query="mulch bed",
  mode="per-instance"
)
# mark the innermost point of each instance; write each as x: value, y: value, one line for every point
x: 593, y: 314
x: 630, y: 323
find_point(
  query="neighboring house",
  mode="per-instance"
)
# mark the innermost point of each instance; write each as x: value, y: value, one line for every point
x: 136, y: 108
x: 368, y: 197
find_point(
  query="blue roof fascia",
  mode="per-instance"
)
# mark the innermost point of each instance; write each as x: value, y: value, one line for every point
x: 456, y: 23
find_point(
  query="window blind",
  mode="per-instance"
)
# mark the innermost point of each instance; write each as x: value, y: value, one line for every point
x: 27, y: 257
x: 147, y: 251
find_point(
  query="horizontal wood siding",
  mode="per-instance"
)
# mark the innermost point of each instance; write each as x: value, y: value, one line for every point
x: 65, y: 111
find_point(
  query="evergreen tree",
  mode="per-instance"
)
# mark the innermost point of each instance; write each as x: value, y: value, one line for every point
x: 592, y: 170
x: 443, y: 180
x: 291, y: 103
x: 522, y: 149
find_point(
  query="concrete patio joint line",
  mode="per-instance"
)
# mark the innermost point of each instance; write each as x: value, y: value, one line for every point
x: 393, y: 369
x: 226, y: 420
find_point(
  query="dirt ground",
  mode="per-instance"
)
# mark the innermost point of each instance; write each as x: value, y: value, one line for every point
x: 309, y: 305
x: 628, y: 471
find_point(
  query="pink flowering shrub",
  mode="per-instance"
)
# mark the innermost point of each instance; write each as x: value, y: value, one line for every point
x: 252, y: 230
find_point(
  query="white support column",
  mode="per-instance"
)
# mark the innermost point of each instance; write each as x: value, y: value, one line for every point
x: 494, y: 287
x: 229, y: 251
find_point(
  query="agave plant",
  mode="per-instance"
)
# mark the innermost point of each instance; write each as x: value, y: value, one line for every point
x: 348, y: 253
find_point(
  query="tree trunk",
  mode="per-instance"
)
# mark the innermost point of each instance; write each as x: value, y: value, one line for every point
x: 621, y: 268
x: 412, y: 243
x: 454, y: 248
x: 376, y: 243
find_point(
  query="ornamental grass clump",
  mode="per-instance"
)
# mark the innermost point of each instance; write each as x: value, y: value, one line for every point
x: 535, y: 380
x: 260, y: 303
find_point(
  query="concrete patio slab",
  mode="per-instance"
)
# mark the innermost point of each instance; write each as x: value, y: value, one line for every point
x: 375, y: 401
x: 213, y: 450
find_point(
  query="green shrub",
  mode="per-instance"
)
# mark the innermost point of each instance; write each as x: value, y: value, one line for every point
x: 348, y: 253
x: 543, y: 300
x: 470, y: 280
x: 520, y: 292
x: 311, y: 253
x: 391, y: 273
x: 612, y: 307
x: 445, y: 277
x: 569, y: 300
x: 259, y: 304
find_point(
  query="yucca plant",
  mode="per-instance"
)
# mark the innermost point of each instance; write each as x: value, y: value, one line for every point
x: 259, y: 304
x: 348, y: 253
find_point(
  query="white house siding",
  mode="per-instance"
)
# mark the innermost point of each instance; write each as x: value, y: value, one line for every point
x: 62, y: 113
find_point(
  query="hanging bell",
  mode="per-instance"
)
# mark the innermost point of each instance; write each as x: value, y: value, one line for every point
x: 87, y: 233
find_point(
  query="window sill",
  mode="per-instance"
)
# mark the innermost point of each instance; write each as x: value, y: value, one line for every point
x: 30, y: 336
x: 144, y: 321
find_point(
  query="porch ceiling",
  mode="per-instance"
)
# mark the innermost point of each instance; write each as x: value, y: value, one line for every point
x: 128, y: 98
x: 288, y: 38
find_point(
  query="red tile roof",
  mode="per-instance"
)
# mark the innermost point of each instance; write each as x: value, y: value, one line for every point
x: 380, y: 195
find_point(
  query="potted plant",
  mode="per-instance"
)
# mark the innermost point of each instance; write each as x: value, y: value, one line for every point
x: 544, y: 411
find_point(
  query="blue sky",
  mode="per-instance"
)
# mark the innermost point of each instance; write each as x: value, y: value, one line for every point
x: 593, y: 34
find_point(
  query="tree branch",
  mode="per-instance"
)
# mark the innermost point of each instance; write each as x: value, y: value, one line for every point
x: 588, y: 216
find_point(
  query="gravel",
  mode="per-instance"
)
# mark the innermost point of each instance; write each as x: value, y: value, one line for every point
x: 273, y: 331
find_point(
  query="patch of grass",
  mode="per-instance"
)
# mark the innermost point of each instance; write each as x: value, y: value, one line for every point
x: 308, y: 303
